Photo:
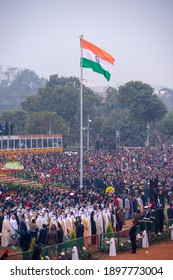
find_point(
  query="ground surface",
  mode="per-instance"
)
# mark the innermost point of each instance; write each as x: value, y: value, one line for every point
x: 159, y: 251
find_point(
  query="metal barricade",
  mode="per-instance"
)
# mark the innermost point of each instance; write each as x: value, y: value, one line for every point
x: 87, y: 247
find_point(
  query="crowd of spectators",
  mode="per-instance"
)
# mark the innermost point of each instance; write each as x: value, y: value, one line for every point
x: 128, y: 171
x: 124, y: 169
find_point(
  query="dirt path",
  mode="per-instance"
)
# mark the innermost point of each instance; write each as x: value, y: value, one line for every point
x: 159, y: 251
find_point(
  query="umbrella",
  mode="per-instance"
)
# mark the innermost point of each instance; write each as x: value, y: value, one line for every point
x: 109, y: 189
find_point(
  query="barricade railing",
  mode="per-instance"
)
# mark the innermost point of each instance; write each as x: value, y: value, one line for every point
x: 121, y: 238
x: 87, y: 247
x: 94, y: 245
x: 168, y: 222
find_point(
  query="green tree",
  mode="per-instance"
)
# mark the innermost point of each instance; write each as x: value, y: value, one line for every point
x: 45, y: 122
x: 167, y: 124
x: 18, y: 120
x: 132, y: 132
x: 111, y: 103
x: 139, y: 98
x: 129, y: 110
x: 62, y: 96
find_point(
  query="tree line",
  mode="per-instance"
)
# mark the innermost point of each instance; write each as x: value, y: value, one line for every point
x: 131, y: 110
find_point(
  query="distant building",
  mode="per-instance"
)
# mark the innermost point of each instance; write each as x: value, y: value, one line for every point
x: 100, y: 90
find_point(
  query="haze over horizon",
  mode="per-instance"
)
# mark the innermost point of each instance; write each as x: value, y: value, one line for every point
x: 43, y: 36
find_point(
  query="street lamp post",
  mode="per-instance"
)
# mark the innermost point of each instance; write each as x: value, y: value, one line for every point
x: 88, y: 132
x: 117, y: 139
x: 68, y: 128
x: 50, y: 127
x: 148, y: 134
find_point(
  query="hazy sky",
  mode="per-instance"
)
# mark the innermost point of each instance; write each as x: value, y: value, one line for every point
x: 43, y: 35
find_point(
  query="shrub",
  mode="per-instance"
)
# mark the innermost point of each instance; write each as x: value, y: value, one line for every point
x: 73, y: 234
x: 110, y: 232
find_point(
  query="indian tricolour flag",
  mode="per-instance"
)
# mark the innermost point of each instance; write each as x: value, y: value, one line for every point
x: 96, y: 58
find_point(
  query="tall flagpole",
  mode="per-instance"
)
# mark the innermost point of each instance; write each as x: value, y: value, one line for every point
x: 81, y: 121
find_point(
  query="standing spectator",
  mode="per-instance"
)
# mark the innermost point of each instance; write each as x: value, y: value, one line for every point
x: 43, y: 236
x: 135, y: 204
x: 33, y: 229
x: 22, y: 224
x: 25, y: 240
x: 138, y: 216
x: 37, y: 251
x: 1, y: 221
x: 60, y: 233
x: 116, y: 202
x: 119, y: 219
x: 170, y: 212
x: 144, y: 198
x: 79, y: 228
x: 132, y: 234
x: 140, y: 203
x: 6, y: 233
x: 93, y: 228
x: 127, y: 208
x: 52, y: 238
x: 80, y: 232
x: 131, y: 211
x: 113, y: 220
x: 14, y: 230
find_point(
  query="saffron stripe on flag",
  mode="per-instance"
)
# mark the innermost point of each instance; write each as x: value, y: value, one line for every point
x: 97, y: 51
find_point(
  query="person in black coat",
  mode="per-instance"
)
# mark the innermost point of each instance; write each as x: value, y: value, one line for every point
x: 22, y: 224
x: 25, y: 239
x: 37, y: 251
x: 80, y: 233
x: 1, y: 221
x: 42, y: 236
x: 170, y: 212
x: 93, y: 228
x: 60, y: 234
x: 79, y: 229
x: 132, y: 234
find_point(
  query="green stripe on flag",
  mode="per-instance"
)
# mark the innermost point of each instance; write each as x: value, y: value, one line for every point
x: 96, y: 67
